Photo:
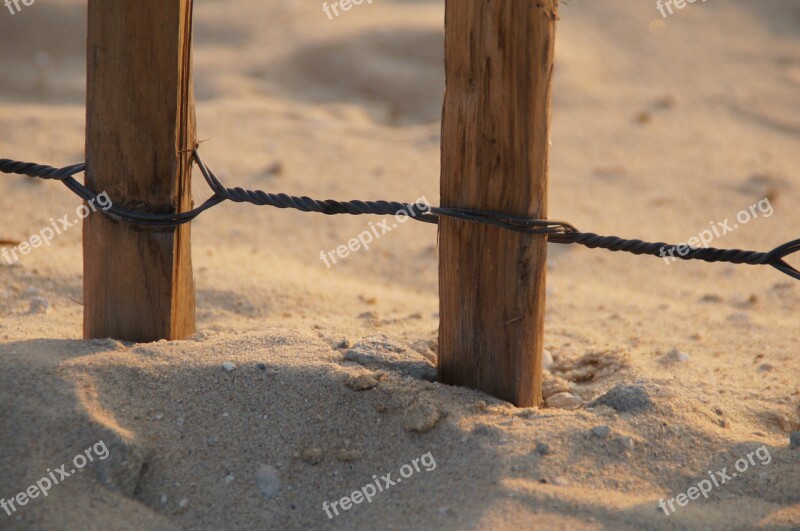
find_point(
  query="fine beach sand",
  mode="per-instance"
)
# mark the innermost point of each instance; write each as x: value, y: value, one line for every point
x: 661, y: 126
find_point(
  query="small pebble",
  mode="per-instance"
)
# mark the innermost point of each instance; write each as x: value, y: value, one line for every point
x: 794, y: 440
x: 564, y: 401
x: 422, y: 416
x: 644, y: 117
x: 267, y: 480
x: 262, y: 366
x: 363, y: 382
x: 666, y: 102
x: 274, y: 169
x: 39, y: 305
x: 164, y: 499
x: 183, y: 503
x: 766, y: 367
x: 601, y: 431
x: 625, y: 398
x: 229, y: 366
x: 676, y: 356
x: 312, y: 456
x: 559, y: 481
x: 626, y: 443
x: 229, y: 479
x: 543, y: 448
x: 347, y: 454
x: 342, y: 344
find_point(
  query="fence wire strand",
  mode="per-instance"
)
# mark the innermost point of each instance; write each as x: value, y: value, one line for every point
x: 555, y: 231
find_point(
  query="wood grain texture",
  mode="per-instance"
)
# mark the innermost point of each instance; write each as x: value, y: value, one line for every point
x: 495, y: 138
x: 140, y: 126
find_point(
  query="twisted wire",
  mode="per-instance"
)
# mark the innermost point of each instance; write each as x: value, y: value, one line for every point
x: 556, y: 231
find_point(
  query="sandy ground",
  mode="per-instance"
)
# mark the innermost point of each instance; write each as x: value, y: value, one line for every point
x: 661, y: 127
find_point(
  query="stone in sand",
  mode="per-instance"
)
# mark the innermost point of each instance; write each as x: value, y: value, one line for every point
x: 267, y: 480
x: 564, y: 401
x: 39, y: 305
x: 625, y: 398
x: 422, y: 416
x: 312, y: 456
x: 626, y: 443
x: 676, y: 356
x: 543, y: 448
x: 229, y: 366
x: 363, y: 381
x: 342, y: 344
x: 601, y: 431
x: 794, y: 440
x: 348, y: 454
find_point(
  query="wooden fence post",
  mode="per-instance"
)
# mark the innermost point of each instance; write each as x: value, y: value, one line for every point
x: 495, y: 137
x: 140, y: 129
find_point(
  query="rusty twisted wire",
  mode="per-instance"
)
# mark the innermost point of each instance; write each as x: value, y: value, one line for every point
x: 556, y: 231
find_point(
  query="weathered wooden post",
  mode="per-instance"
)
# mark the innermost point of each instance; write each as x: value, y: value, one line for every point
x: 495, y: 137
x: 140, y: 130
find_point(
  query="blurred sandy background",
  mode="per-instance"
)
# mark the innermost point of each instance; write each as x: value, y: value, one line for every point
x: 660, y: 126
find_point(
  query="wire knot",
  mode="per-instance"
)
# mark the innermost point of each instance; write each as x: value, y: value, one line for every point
x: 778, y: 254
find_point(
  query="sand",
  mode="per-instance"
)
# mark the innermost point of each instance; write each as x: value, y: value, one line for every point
x: 662, y: 127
